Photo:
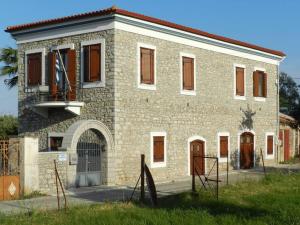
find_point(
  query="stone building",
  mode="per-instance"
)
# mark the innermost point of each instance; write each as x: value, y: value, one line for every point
x: 97, y: 90
x: 289, y: 138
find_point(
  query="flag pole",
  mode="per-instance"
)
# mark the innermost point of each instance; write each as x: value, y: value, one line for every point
x: 66, y: 75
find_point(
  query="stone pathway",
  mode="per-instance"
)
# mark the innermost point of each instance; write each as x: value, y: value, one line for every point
x: 93, y: 195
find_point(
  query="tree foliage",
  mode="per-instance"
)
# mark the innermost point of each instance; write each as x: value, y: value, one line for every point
x: 9, y: 57
x: 289, y: 96
x: 8, y: 126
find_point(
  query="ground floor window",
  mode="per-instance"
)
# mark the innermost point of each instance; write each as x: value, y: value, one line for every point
x: 269, y: 145
x: 158, y: 149
x: 223, y: 146
x: 55, y: 142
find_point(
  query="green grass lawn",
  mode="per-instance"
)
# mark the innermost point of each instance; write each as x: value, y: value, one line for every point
x: 274, y: 200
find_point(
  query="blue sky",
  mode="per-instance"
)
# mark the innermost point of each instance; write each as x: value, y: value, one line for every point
x: 269, y: 23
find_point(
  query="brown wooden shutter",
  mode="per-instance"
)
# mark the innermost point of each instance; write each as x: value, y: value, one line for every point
x: 52, y: 74
x: 147, y: 66
x: 95, y: 62
x: 71, y: 70
x: 270, y: 145
x: 240, y: 81
x: 86, y: 63
x: 34, y: 69
x: 255, y: 83
x: 188, y: 73
x: 265, y: 85
x: 158, y: 151
x: 223, y: 146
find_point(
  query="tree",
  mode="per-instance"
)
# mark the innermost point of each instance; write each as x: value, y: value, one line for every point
x: 9, y: 56
x: 289, y: 96
x: 8, y: 126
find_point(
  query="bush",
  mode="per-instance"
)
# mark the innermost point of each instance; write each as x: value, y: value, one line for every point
x: 8, y: 126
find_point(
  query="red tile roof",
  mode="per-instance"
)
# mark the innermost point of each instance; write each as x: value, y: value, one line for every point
x: 114, y: 10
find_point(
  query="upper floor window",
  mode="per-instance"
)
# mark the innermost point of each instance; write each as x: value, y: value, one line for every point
x: 35, y: 69
x: 239, y: 73
x: 93, y: 63
x: 146, y: 66
x: 259, y: 84
x: 188, y: 81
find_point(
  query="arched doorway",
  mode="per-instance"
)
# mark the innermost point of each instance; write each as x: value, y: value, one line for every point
x: 90, y: 147
x: 197, y: 149
x: 246, y: 150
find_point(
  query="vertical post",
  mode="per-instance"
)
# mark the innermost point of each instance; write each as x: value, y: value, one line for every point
x: 262, y: 158
x: 57, y: 195
x: 142, y: 177
x: 193, y: 173
x: 218, y: 178
x: 227, y: 180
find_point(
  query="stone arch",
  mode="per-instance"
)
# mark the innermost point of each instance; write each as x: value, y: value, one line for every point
x: 71, y: 138
x: 74, y: 132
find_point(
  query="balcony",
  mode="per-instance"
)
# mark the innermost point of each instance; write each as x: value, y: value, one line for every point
x: 41, y: 100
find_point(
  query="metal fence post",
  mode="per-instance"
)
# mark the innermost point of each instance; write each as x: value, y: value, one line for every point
x: 227, y: 168
x: 193, y: 175
x: 142, y: 177
x: 217, y: 178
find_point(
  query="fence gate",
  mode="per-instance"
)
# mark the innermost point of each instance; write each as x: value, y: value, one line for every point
x: 89, y: 159
x: 9, y: 170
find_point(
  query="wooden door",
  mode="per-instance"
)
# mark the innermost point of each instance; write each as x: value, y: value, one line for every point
x: 246, y: 151
x: 196, y: 159
x: 286, y: 145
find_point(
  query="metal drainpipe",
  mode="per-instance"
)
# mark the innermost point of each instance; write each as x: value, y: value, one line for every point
x: 278, y: 107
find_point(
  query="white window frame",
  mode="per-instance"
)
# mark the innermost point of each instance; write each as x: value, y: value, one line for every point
x: 54, y: 134
x: 43, y: 87
x: 139, y: 84
x: 94, y: 84
x: 235, y: 96
x: 259, y: 99
x: 267, y: 156
x: 226, y: 134
x: 183, y: 91
x: 158, y: 164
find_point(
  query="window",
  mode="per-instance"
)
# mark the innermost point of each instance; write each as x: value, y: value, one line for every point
x: 61, y: 60
x: 188, y: 74
x: 93, y: 63
x: 146, y: 66
x: 158, y: 149
x: 239, y: 77
x: 55, y: 143
x: 223, y: 146
x: 35, y: 70
x: 259, y: 84
x: 269, y: 145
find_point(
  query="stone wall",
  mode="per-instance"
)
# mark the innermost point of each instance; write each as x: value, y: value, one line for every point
x: 99, y: 102
x: 212, y: 110
x: 46, y: 171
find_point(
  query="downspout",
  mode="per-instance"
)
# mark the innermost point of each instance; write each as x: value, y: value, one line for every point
x: 278, y: 108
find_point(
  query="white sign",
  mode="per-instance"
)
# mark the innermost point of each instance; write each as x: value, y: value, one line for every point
x: 62, y: 157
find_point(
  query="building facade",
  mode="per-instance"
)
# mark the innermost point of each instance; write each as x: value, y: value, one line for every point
x: 289, y: 138
x: 97, y: 90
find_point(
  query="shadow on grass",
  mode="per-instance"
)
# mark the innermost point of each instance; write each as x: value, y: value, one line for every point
x: 214, y: 207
